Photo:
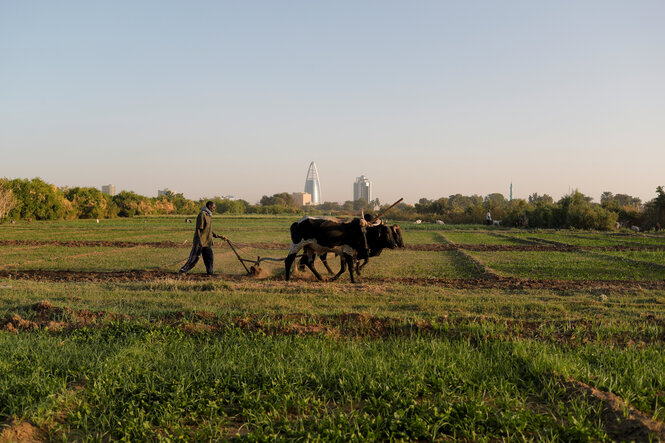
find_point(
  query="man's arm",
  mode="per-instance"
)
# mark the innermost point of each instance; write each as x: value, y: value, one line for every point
x: 221, y: 237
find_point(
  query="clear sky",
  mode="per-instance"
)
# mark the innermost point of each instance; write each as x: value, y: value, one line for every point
x: 425, y: 98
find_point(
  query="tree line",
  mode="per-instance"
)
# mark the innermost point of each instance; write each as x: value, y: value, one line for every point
x: 34, y: 199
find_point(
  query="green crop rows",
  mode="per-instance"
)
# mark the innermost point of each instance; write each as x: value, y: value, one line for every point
x: 103, y: 341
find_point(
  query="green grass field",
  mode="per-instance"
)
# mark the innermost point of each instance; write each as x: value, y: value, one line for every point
x: 103, y: 340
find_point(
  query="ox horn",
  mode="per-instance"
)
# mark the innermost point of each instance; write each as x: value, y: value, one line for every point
x: 363, y: 222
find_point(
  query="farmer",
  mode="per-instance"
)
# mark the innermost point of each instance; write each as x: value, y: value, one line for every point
x: 488, y: 218
x: 203, y: 236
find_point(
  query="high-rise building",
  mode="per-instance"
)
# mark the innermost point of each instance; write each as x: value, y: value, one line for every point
x: 362, y: 188
x: 312, y: 185
x: 108, y: 189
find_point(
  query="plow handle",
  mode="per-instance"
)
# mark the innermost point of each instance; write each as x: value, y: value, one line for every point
x: 386, y: 210
x: 239, y: 259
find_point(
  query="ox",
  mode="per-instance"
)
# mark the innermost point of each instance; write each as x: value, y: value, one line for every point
x: 319, y: 236
x: 379, y: 237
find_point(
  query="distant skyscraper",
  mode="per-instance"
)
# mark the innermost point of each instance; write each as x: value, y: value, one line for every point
x: 312, y: 185
x: 362, y: 188
x: 108, y: 189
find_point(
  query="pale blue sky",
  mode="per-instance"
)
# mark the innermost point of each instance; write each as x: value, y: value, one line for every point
x: 426, y: 98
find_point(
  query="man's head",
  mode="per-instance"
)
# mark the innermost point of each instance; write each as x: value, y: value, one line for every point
x: 210, y: 205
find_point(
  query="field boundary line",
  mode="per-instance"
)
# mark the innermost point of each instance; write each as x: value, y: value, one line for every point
x: 624, y: 259
x: 133, y: 244
x: 481, y: 269
x: 501, y: 282
x: 620, y: 420
x: 535, y: 245
x: 516, y: 239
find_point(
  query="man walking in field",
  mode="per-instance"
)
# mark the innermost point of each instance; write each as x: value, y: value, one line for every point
x: 203, y: 236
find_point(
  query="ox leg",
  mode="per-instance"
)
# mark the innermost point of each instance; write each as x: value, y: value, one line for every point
x: 308, y: 256
x: 288, y: 262
x: 302, y: 263
x: 359, y: 266
x: 324, y: 260
x: 349, y: 261
x: 310, y: 265
x: 342, y: 268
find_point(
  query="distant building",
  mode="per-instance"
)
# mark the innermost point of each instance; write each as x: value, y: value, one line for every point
x: 312, y: 185
x: 302, y: 198
x: 165, y: 191
x: 362, y: 188
x: 108, y: 189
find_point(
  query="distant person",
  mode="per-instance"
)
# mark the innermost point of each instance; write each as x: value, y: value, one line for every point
x: 202, y: 243
x: 488, y: 218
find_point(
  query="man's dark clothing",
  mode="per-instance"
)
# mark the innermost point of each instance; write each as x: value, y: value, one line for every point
x: 202, y: 243
x: 197, y: 251
x: 204, y: 225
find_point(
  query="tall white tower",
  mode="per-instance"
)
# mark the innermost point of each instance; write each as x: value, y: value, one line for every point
x: 312, y: 185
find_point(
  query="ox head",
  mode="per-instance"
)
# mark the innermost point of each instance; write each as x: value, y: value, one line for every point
x: 391, y: 237
x: 359, y: 237
x: 397, y: 235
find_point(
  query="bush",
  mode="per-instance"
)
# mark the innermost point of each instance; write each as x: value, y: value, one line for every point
x: 36, y: 199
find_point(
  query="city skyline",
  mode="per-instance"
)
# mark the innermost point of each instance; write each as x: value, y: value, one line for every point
x: 429, y: 99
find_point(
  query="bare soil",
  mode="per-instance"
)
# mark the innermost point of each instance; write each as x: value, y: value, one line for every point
x: 571, y: 332
x: 133, y: 244
x: 21, y: 431
x: 46, y: 315
x: 487, y: 282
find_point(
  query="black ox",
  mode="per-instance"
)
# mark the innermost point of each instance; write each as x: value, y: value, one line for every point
x: 379, y: 237
x: 320, y: 236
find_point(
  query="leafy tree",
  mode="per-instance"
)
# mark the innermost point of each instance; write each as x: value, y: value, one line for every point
x: 90, y: 203
x: 619, y: 201
x: 496, y: 203
x: 283, y: 199
x: 348, y: 206
x: 172, y: 203
x: 515, y: 213
x: 7, y: 199
x: 577, y: 211
x: 228, y: 206
x: 460, y: 203
x: 654, y: 214
x: 360, y: 204
x: 545, y: 198
x: 540, y: 214
x: 330, y: 206
x: 37, y: 199
x: 130, y: 204
x: 424, y: 206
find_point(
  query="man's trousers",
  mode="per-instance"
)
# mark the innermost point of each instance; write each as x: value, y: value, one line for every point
x: 197, y: 251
